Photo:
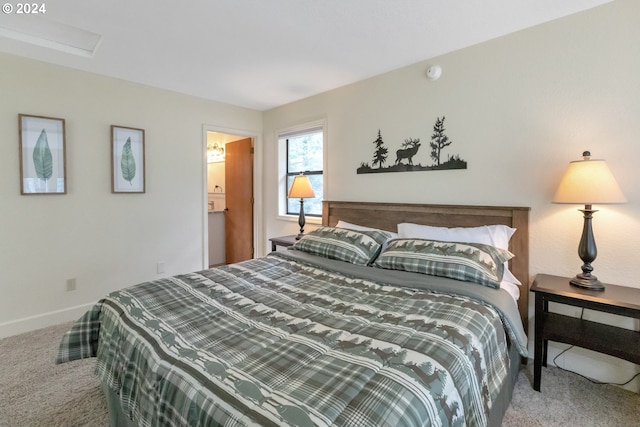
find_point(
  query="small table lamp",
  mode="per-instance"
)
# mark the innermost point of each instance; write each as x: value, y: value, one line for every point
x: 588, y: 182
x: 301, y: 189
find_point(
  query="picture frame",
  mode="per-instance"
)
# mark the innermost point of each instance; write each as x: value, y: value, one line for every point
x: 127, y: 160
x: 42, y: 155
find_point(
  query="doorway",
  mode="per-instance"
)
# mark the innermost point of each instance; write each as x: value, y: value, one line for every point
x: 229, y: 185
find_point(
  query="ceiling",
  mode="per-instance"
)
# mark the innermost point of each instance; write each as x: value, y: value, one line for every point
x: 261, y: 54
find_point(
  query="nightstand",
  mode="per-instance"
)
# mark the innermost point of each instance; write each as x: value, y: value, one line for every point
x: 611, y: 340
x: 284, y: 241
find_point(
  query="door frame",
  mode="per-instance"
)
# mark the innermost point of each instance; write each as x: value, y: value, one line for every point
x: 257, y: 189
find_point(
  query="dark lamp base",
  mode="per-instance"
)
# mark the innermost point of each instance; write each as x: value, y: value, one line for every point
x: 587, y: 281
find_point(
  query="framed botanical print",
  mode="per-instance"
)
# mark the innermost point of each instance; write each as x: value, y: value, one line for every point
x: 127, y: 160
x: 42, y: 155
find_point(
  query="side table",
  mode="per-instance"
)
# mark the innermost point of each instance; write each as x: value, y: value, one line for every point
x: 284, y: 241
x: 611, y: 340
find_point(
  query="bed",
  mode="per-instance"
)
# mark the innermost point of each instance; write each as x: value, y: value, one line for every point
x: 343, y: 329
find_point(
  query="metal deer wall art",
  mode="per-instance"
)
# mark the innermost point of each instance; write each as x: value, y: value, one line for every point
x: 409, y: 152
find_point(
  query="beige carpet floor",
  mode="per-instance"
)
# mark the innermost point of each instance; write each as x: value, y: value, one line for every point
x: 36, y: 393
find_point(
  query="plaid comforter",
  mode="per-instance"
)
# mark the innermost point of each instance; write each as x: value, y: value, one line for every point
x: 275, y: 341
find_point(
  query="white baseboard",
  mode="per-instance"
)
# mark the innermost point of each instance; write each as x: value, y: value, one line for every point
x: 39, y: 321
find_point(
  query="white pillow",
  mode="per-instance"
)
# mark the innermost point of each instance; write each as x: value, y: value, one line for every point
x: 513, y: 290
x: 509, y: 277
x: 350, y: 226
x: 493, y: 235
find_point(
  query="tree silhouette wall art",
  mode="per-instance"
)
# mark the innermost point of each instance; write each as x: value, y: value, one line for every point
x: 405, y: 155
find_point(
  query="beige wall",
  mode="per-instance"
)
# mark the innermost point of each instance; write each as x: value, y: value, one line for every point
x: 105, y: 241
x: 519, y: 109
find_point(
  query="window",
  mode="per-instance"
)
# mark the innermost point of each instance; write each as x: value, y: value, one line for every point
x: 303, y: 153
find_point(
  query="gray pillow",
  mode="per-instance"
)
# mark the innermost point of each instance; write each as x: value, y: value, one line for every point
x: 354, y: 246
x: 469, y: 262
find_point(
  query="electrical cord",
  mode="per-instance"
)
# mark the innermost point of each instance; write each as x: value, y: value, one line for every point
x: 583, y: 376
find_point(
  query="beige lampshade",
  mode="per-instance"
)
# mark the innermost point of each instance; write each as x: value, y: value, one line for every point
x: 301, y: 188
x: 588, y: 182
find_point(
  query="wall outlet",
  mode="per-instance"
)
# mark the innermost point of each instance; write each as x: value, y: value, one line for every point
x: 71, y: 284
x: 160, y: 267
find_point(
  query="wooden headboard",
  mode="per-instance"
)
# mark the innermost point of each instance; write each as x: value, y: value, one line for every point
x: 386, y: 216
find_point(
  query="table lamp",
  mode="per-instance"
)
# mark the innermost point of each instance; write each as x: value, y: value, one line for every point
x: 301, y: 189
x: 588, y: 182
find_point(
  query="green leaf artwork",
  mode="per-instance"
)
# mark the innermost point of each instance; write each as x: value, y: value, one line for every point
x: 42, y: 159
x: 128, y: 162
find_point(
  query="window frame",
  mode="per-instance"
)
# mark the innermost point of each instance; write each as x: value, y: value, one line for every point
x: 282, y: 137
